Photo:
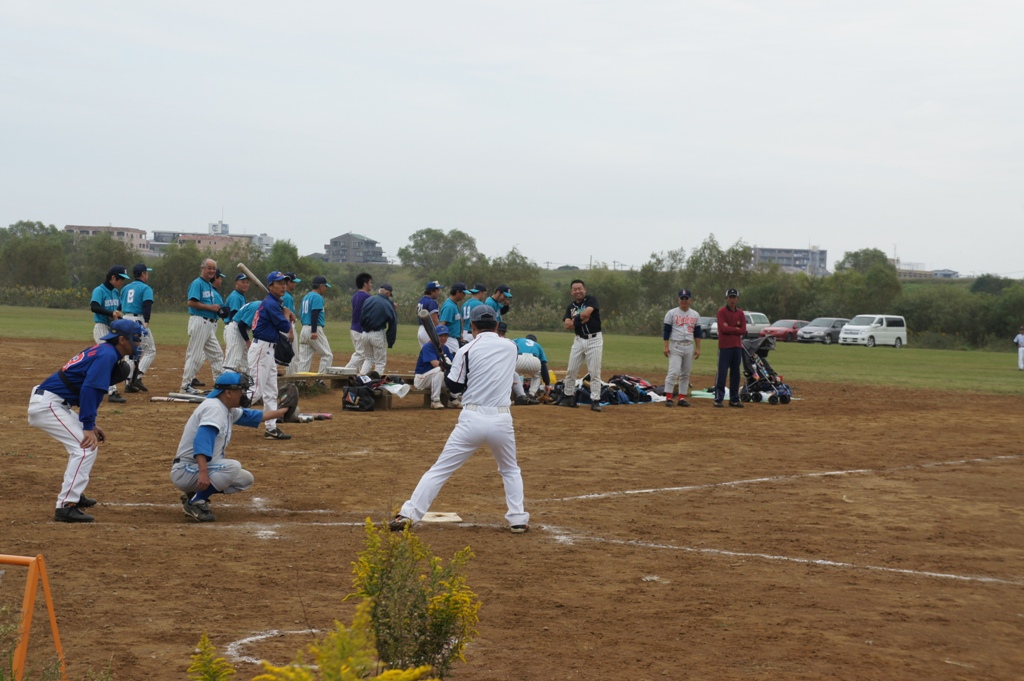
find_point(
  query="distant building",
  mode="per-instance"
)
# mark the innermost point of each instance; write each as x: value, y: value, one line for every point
x: 135, y: 238
x: 810, y: 260
x: 916, y: 270
x: 354, y: 248
x: 219, y: 227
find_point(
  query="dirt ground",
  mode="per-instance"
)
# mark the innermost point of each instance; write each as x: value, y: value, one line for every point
x: 853, y: 534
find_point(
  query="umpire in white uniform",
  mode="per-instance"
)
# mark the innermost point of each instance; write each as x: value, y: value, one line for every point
x: 483, y: 371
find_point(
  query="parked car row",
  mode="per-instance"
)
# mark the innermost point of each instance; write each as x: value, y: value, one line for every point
x: 868, y: 330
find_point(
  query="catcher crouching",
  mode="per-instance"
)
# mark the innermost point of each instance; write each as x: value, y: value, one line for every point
x: 200, y: 468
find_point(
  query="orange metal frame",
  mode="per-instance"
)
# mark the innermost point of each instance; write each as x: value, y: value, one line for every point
x: 36, y: 574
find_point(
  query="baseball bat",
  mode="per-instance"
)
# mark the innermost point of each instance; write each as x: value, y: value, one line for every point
x: 247, y: 272
x: 173, y: 399
x: 185, y: 396
x: 428, y: 323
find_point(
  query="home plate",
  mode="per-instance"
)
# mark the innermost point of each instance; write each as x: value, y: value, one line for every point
x: 433, y: 517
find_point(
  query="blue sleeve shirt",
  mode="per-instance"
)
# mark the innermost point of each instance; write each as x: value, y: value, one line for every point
x: 133, y: 296
x: 428, y: 354
x: 203, y: 292
x: 312, y: 302
x: 108, y: 298
x: 269, y: 321
x: 89, y: 373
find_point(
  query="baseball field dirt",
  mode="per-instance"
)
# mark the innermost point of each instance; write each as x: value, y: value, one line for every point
x: 857, y: 533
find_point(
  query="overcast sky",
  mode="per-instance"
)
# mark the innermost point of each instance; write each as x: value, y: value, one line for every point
x: 572, y: 130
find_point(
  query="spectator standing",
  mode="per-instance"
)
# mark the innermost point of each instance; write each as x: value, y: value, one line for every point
x: 732, y: 329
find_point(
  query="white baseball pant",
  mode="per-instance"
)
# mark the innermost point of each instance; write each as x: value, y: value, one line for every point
x: 529, y: 366
x: 1020, y: 358
x: 48, y: 413
x: 99, y: 330
x: 202, y: 345
x: 293, y: 366
x: 147, y: 346
x: 491, y: 426
x: 680, y: 361
x: 264, y: 376
x: 585, y: 350
x: 236, y: 354
x: 433, y: 379
x: 360, y: 359
x: 309, y: 346
x: 377, y: 344
x: 422, y: 336
x: 226, y: 475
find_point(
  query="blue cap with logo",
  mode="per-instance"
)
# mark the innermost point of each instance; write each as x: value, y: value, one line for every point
x: 125, y: 328
x: 684, y: 293
x: 433, y: 285
x: 275, y: 276
x: 442, y: 330
x: 229, y: 380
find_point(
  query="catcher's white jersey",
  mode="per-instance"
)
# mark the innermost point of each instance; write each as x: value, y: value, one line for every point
x: 211, y: 412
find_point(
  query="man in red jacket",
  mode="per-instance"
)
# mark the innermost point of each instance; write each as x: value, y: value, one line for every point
x: 732, y: 329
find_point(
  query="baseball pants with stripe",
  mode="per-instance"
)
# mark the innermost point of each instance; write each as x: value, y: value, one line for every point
x: 360, y: 359
x: 202, y: 345
x: 48, y: 413
x: 227, y: 476
x: 680, y: 361
x: 264, y: 376
x: 587, y: 350
x: 147, y: 346
x: 236, y: 354
x: 377, y: 344
x: 309, y: 346
x: 529, y: 366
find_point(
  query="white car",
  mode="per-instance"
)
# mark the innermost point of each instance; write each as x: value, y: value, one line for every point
x: 755, y: 322
x: 875, y: 329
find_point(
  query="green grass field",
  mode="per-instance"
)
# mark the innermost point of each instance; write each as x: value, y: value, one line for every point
x: 985, y: 372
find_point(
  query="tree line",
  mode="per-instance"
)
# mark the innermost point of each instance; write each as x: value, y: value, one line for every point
x: 984, y: 312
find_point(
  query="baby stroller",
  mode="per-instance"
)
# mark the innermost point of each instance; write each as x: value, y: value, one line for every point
x: 761, y: 379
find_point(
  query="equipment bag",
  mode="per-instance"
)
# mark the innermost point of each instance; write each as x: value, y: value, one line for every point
x: 357, y: 399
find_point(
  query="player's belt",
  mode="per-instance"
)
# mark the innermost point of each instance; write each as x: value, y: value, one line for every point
x: 40, y: 391
x: 588, y: 336
x: 477, y: 407
x: 260, y: 340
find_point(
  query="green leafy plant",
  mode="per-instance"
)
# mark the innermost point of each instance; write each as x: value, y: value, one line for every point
x: 206, y: 666
x: 423, y: 612
x: 342, y: 655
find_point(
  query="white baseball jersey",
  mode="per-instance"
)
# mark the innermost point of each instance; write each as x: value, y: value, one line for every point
x: 682, y: 323
x: 487, y: 365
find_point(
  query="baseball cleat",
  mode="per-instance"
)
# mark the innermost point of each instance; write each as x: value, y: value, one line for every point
x: 71, y: 514
x: 669, y: 403
x: 139, y: 385
x: 115, y: 398
x: 520, y: 529
x: 436, y: 405
x: 189, y: 390
x: 130, y: 388
x: 85, y: 502
x: 594, y: 406
x: 399, y: 523
x: 736, y: 404
x: 276, y: 434
x: 718, y: 403
x: 199, y: 511
x: 196, y: 383
x: 683, y: 402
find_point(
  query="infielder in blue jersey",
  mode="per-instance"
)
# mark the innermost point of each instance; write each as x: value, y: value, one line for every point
x: 429, y: 303
x: 137, y: 305
x: 82, y: 382
x: 105, y: 306
x: 313, y: 338
x: 268, y: 325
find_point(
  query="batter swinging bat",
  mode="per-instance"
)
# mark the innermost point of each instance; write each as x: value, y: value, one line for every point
x: 428, y: 323
x: 252, y: 277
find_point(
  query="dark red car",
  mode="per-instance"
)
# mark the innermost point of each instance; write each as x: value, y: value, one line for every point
x: 784, y: 329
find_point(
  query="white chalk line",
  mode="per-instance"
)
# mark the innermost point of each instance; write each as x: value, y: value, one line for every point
x: 233, y: 651
x: 779, y: 478
x: 565, y: 537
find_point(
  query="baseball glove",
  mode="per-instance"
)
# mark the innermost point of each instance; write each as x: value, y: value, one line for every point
x: 545, y: 399
x: 288, y: 399
x: 283, y: 351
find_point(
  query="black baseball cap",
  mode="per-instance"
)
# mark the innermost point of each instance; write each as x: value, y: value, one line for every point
x: 502, y: 326
x: 386, y: 287
x: 140, y: 268
x: 477, y: 288
x: 504, y: 289
x: 459, y: 287
x: 732, y: 292
x: 240, y: 276
x: 119, y: 270
x: 684, y: 293
x: 291, y: 275
x: 318, y: 280
x: 530, y: 336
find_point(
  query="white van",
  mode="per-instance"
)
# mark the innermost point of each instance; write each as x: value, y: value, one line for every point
x: 875, y: 329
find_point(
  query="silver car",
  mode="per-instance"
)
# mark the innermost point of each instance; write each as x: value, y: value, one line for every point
x: 822, y: 330
x: 755, y: 322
